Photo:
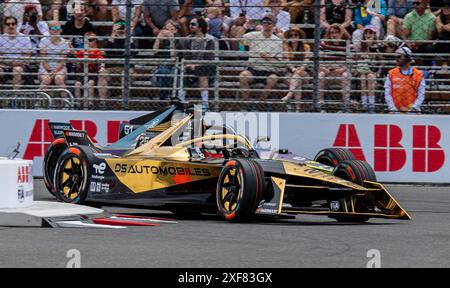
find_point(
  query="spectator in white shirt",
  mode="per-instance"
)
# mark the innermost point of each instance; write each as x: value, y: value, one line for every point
x: 276, y: 7
x: 53, y: 71
x: 13, y: 46
x: 265, y: 48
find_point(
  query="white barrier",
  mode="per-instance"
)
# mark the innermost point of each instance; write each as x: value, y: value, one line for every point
x: 401, y: 148
x: 16, y: 183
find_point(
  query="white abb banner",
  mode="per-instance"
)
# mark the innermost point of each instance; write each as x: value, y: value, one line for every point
x: 401, y: 148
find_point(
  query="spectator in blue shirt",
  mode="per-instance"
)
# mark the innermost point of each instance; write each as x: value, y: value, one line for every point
x: 369, y: 15
x: 396, y: 12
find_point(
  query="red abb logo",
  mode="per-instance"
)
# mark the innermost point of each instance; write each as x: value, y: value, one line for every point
x: 428, y: 155
x: 23, y: 175
x: 389, y: 153
x: 41, y: 136
x: 348, y: 138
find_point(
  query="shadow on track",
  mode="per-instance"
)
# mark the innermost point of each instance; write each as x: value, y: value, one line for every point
x: 260, y: 220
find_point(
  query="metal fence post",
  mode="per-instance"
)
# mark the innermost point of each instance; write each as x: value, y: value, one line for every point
x: 348, y: 84
x: 181, y: 92
x: 175, y: 78
x: 216, y: 80
x: 85, y: 84
x: 316, y: 55
x: 127, y: 54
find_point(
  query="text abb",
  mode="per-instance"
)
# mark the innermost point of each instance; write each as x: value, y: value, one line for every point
x: 389, y: 153
x: 41, y: 136
x: 23, y: 175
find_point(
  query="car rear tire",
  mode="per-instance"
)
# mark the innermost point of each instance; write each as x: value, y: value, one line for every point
x: 239, y: 190
x: 356, y: 171
x: 72, y: 175
x: 333, y: 156
x: 51, y: 157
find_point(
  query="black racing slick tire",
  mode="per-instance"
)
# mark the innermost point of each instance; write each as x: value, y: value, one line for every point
x: 356, y: 171
x: 72, y: 175
x: 239, y: 191
x: 51, y: 157
x: 333, y: 156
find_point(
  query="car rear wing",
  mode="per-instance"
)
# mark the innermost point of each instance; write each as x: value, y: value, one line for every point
x: 78, y: 138
x: 57, y: 128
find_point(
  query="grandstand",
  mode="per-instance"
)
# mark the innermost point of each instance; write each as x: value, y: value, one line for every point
x: 144, y: 52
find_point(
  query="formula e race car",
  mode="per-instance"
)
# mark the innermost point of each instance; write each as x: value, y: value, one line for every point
x: 220, y: 173
x: 129, y: 135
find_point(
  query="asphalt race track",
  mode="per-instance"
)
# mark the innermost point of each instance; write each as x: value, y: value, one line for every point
x: 210, y: 242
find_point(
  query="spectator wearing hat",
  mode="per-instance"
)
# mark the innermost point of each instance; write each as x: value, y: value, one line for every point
x: 264, y: 47
x: 443, y: 28
x: 296, y: 50
x: 275, y: 7
x: 368, y: 15
x: 396, y: 13
x: 14, y: 46
x: 33, y: 26
x: 367, y: 56
x: 389, y: 46
x: 16, y: 8
x: 404, y: 85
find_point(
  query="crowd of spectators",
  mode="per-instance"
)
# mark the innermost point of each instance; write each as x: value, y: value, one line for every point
x: 272, y: 32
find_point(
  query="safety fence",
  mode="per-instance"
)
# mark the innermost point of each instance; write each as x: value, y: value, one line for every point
x: 263, y: 56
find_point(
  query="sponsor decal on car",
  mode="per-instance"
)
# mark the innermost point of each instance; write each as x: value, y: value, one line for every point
x: 99, y: 187
x: 99, y: 168
x: 98, y: 177
x: 335, y: 206
x: 159, y: 170
x: 105, y: 188
x: 93, y: 186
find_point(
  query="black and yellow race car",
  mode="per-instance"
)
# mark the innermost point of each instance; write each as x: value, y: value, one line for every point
x: 223, y: 173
